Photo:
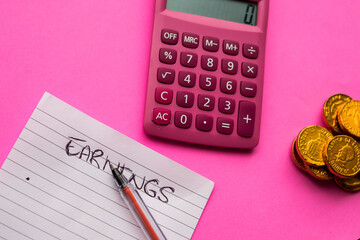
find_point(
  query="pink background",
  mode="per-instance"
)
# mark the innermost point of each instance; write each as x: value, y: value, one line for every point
x: 94, y: 56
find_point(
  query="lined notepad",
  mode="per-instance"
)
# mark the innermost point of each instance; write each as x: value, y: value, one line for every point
x: 56, y: 182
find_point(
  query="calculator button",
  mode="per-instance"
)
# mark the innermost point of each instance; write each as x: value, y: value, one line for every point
x: 163, y: 95
x: 187, y: 79
x: 161, y: 116
x: 249, y: 70
x: 185, y: 99
x: 206, y: 102
x: 188, y: 59
x: 169, y: 36
x: 204, y: 122
x: 167, y: 55
x: 227, y: 105
x: 246, y: 121
x: 207, y: 82
x: 250, y: 51
x: 190, y: 40
x: 231, y: 47
x: 228, y: 85
x: 183, y: 119
x: 166, y: 75
x: 209, y: 63
x: 225, y: 125
x: 210, y: 44
x: 248, y: 89
x: 229, y: 66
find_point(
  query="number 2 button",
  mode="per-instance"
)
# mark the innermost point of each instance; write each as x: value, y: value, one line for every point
x: 206, y: 102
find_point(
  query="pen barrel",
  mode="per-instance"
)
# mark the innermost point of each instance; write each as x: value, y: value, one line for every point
x: 141, y: 213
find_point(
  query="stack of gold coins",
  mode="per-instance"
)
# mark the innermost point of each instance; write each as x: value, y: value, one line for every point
x: 332, y: 153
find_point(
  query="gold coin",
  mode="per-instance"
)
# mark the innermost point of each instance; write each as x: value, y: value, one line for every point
x: 321, y: 173
x: 330, y: 111
x: 349, y: 118
x: 296, y: 158
x: 310, y: 144
x: 349, y: 184
x: 342, y: 156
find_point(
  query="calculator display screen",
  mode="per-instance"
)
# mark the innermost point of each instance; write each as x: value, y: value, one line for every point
x: 230, y: 10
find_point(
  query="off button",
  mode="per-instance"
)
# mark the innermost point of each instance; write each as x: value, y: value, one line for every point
x: 169, y: 36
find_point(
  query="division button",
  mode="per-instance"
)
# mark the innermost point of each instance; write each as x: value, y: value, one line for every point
x: 204, y: 122
x: 246, y: 118
x: 250, y: 51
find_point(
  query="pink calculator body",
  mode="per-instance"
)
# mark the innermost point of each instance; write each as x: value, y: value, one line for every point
x: 206, y: 72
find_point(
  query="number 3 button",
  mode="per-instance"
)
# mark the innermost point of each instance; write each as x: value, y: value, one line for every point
x: 226, y: 105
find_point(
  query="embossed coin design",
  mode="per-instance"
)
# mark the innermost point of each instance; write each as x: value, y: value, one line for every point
x: 342, y: 156
x: 349, y: 184
x: 296, y: 158
x: 349, y: 118
x: 331, y: 109
x: 321, y: 173
x: 310, y: 144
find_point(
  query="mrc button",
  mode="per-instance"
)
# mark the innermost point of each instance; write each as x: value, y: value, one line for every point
x: 169, y: 36
x: 190, y: 40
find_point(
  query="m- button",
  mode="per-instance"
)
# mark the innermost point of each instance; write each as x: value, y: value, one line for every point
x: 169, y: 36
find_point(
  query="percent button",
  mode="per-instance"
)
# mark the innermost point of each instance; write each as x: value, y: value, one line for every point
x: 167, y: 55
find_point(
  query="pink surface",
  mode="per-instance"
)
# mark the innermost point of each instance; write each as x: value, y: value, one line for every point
x: 94, y: 55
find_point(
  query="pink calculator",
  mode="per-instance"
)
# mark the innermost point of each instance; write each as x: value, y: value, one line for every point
x: 206, y: 72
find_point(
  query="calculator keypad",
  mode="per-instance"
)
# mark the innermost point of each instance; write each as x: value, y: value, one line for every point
x: 214, y: 86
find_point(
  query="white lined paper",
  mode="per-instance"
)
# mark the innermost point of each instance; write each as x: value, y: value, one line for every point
x: 47, y: 194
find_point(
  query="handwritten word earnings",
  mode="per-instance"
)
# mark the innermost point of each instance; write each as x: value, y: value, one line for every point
x: 78, y: 148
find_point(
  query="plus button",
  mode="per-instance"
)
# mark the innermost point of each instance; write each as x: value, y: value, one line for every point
x: 247, y: 119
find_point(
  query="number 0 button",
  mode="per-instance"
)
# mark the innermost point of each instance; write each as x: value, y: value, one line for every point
x: 183, y: 119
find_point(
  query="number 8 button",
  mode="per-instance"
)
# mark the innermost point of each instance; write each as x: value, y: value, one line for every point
x: 209, y: 63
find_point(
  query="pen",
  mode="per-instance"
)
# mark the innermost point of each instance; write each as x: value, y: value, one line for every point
x: 137, y: 207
